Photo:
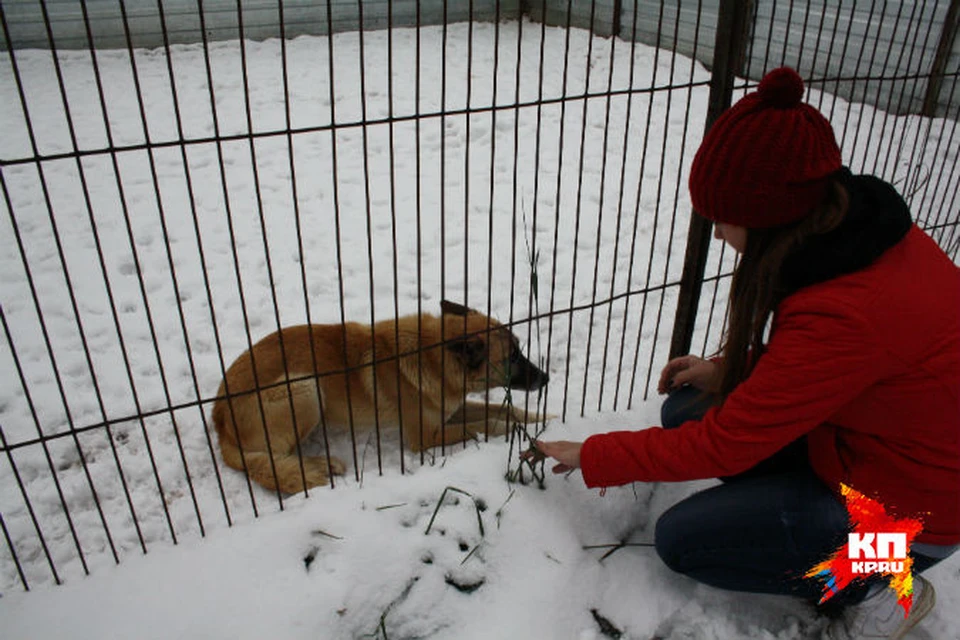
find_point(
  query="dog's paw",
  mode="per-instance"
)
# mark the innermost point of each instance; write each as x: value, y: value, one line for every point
x: 318, y: 471
x: 337, y: 466
x: 529, y: 417
x: 493, y: 429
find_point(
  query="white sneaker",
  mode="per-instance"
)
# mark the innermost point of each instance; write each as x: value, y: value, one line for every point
x: 879, y: 616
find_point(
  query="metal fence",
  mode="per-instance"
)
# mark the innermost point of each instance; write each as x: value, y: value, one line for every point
x: 165, y: 208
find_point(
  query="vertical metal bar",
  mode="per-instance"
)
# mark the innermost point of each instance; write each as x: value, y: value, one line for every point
x: 294, y: 194
x: 596, y: 262
x: 254, y: 165
x: 336, y: 210
x: 853, y: 82
x: 393, y: 233
x: 466, y: 202
x: 419, y: 207
x: 12, y: 548
x: 816, y: 51
x: 948, y: 35
x: 769, y: 40
x: 516, y: 195
x: 786, y: 34
x: 557, y: 200
x: 369, y: 221
x: 728, y: 49
x: 636, y: 223
x: 803, y: 37
x: 843, y: 55
x: 228, y: 210
x: 617, y: 11
x: 579, y: 207
x: 903, y: 88
x: 533, y: 290
x: 443, y: 215
x: 493, y: 180
x: 622, y: 190
x: 126, y: 214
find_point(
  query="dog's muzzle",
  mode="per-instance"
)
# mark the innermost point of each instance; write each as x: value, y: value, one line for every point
x: 524, y: 375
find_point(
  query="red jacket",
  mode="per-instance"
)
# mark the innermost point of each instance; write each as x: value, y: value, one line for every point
x: 867, y: 365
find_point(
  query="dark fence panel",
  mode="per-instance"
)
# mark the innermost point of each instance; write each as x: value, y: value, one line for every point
x: 784, y: 30
x: 151, y: 23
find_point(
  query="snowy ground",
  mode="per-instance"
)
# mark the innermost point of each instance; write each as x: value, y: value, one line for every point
x: 504, y: 218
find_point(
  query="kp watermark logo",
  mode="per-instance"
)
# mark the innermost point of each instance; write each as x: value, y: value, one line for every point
x: 878, y: 544
x: 877, y: 552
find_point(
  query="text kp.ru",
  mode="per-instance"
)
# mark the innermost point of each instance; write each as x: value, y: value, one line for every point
x: 876, y: 552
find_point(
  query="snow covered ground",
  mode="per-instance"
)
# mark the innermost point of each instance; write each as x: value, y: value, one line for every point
x: 482, y: 209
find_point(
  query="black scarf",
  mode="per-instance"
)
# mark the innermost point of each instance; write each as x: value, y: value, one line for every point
x: 878, y: 218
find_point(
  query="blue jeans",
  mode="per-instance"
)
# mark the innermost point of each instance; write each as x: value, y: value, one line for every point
x: 761, y: 530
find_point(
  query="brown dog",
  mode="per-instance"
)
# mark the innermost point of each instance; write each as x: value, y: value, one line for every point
x: 313, y: 374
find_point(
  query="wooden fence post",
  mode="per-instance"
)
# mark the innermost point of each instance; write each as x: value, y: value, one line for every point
x: 733, y: 23
x: 947, y: 36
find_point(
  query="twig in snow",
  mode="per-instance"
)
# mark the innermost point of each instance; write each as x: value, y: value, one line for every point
x: 391, y: 506
x: 613, y: 548
x: 520, y: 431
x: 382, y: 627
x: 321, y: 532
x: 478, y: 505
x: 470, y: 555
x: 606, y: 627
x: 499, y: 513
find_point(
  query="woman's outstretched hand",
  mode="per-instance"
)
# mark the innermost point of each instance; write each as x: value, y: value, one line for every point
x: 567, y: 454
x: 691, y: 370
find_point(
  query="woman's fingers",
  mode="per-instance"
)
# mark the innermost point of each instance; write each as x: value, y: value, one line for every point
x: 567, y: 454
x: 686, y: 376
x: 673, y: 369
x: 691, y: 370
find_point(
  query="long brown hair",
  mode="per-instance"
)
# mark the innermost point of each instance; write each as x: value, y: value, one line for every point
x: 757, y: 287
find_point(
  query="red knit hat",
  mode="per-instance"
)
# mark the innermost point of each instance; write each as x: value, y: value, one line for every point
x: 766, y: 160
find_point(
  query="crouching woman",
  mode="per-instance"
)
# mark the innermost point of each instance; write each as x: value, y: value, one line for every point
x: 841, y: 365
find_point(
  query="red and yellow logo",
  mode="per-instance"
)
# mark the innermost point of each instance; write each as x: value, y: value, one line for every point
x: 878, y: 544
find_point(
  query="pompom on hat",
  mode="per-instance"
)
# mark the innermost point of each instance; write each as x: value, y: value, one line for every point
x: 766, y: 161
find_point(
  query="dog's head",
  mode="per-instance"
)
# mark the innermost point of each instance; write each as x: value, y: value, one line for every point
x: 489, y: 353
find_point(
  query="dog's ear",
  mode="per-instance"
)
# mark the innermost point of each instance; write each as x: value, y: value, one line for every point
x: 454, y: 309
x: 471, y: 351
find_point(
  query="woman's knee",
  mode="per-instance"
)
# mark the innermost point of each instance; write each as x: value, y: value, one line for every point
x: 675, y: 532
x: 684, y: 404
